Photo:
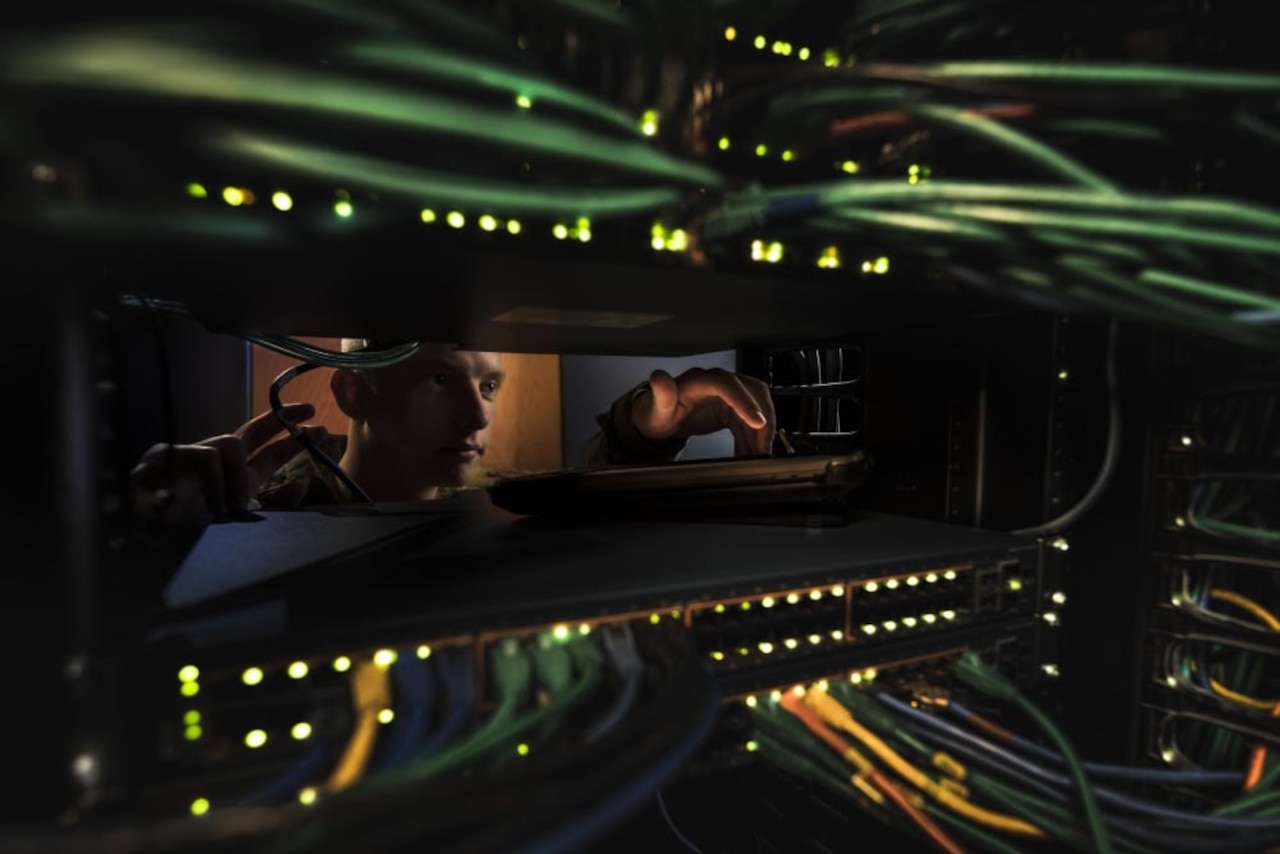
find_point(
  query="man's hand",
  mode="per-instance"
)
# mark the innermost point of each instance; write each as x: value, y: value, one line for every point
x: 217, y: 475
x: 700, y: 401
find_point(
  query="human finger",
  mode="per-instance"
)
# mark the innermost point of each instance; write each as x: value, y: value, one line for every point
x: 258, y: 430
x: 271, y: 456
x: 654, y: 413
x: 726, y: 387
x: 760, y: 392
x: 235, y: 469
x: 205, y: 462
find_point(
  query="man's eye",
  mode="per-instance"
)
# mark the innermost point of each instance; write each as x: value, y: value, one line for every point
x: 490, y: 387
x: 440, y: 379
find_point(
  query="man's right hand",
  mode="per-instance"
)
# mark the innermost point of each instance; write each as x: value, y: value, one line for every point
x: 218, y: 475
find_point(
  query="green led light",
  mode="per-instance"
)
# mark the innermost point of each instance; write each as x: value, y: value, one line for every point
x: 281, y: 200
x: 561, y: 231
x: 191, y: 718
x: 190, y: 673
x: 881, y: 266
x: 803, y: 54
x: 343, y: 209
x: 428, y: 215
x: 831, y: 58
x: 649, y: 122
x: 456, y: 219
x: 197, y: 191
x: 298, y: 670
x: 190, y: 689
x: 193, y: 733
x: 488, y: 223
x: 342, y: 664
x: 788, y: 155
x: 723, y: 143
x: 251, y: 676
x: 760, y: 42
x: 386, y: 716
x: 233, y: 196
x: 762, y: 150
x: 200, y: 806
x: 424, y: 652
x: 301, y: 731
x: 255, y: 738
x: 849, y: 167
x: 561, y: 632
x: 522, y: 749
x: 384, y: 658
x: 513, y: 226
x: 524, y: 102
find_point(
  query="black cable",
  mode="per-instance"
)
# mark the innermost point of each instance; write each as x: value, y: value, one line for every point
x: 666, y: 816
x: 327, y: 463
x: 166, y: 396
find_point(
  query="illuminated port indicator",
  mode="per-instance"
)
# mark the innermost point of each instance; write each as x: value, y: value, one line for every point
x: 929, y: 619
x: 765, y: 647
x: 190, y: 673
x: 791, y: 643
x: 746, y: 606
x: 200, y: 806
x: 931, y: 578
x: 1059, y: 598
x: 949, y: 575
x: 913, y: 581
x: 815, y: 595
x: 855, y: 678
x: 767, y: 602
x: 252, y: 676
x: 891, y: 584
x: 384, y: 658
x: 1051, y: 618
x: 308, y: 796
x: 836, y: 634
x: 890, y: 626
x: 742, y: 650
x: 948, y: 615
x: 751, y: 701
x: 298, y: 670
x: 424, y: 652
x: 793, y: 599
x: 717, y: 656
x: 775, y: 696
x: 342, y: 664
x: 869, y: 629
x: 752, y: 747
x: 871, y: 587
x: 301, y: 731
x: 815, y: 639
x: 255, y: 739
x: 838, y: 590
x: 1014, y: 584
x: 719, y: 609
x: 386, y: 716
x: 909, y: 622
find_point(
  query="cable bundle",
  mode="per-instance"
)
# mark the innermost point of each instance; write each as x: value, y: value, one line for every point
x: 961, y: 779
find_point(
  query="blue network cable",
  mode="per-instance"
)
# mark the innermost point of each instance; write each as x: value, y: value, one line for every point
x: 285, y: 787
x: 415, y: 693
x: 624, y: 657
x: 458, y: 678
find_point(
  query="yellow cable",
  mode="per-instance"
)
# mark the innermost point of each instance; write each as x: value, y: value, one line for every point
x: 370, y: 694
x: 838, y: 717
x: 1246, y: 604
x: 1243, y: 699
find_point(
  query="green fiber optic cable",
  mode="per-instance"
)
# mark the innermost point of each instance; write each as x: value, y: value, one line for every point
x: 1163, y: 76
x: 950, y: 227
x: 1017, y: 142
x: 143, y: 66
x: 483, y: 75
x: 1105, y: 127
x: 1210, y: 290
x: 429, y: 188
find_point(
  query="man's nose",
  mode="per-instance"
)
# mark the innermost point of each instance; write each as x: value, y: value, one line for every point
x: 475, y: 412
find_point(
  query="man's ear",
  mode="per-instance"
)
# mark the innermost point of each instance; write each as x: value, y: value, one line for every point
x: 351, y: 393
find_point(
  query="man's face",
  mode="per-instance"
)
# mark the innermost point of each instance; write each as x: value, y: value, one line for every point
x: 433, y: 413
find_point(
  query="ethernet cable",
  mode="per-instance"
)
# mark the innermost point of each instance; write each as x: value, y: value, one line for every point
x: 370, y: 694
x: 840, y: 718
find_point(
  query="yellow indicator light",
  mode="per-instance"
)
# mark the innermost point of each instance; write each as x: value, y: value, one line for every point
x: 778, y: 47
x: 762, y: 150
x: 803, y: 54
x: 658, y: 242
x: 929, y: 618
x: 301, y: 731
x: 913, y: 581
x: 742, y: 650
x: 949, y: 575
x: 1059, y: 598
x: 931, y: 578
x: 1015, y: 584
x: 774, y: 253
x: 838, y: 590
x: 723, y: 143
x: 193, y: 733
x: 767, y: 602
x: 836, y: 634
x: 1050, y: 669
x: 793, y: 598
x: 255, y: 738
x: 386, y: 716
x: 831, y: 58
x: 200, y: 806
x: 675, y: 614
x: 869, y: 629
x: 730, y: 33
x: 307, y: 796
x: 719, y: 609
x: 655, y: 619
x: 1061, y: 544
x: 679, y: 240
x: 751, y: 701
x: 815, y: 639
x: 891, y: 584
x: 190, y: 673
x: 649, y: 122
x: 823, y: 686
x: 1062, y: 375
x: 881, y: 266
x: 424, y: 652
x: 717, y: 656
x: 757, y: 250
x: 752, y: 747
x: 342, y: 664
x: 384, y: 658
x: 190, y: 689
x: 815, y: 595
x: 855, y: 678
x: 948, y: 615
x: 524, y: 102
x: 191, y: 717
x: 522, y: 749
x: 513, y: 226
x: 197, y: 191
x: 281, y: 201
x: 1051, y: 618
x: 765, y: 647
x: 561, y: 632
x: 1179, y: 522
x: 871, y: 587
x: 1169, y: 754
x: 869, y: 675
x: 760, y: 42
x: 428, y: 215
x: 890, y: 626
x: 746, y: 606
x: 849, y: 167
x: 1187, y: 441
x: 298, y: 670
x: 584, y: 629
x: 455, y: 219
x: 488, y: 223
x: 798, y: 690
x: 584, y: 235
x: 233, y: 196
x: 866, y: 266
x: 909, y: 622
x: 791, y: 643
x: 788, y: 155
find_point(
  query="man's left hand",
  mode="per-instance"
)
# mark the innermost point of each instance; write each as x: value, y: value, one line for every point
x: 706, y: 401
